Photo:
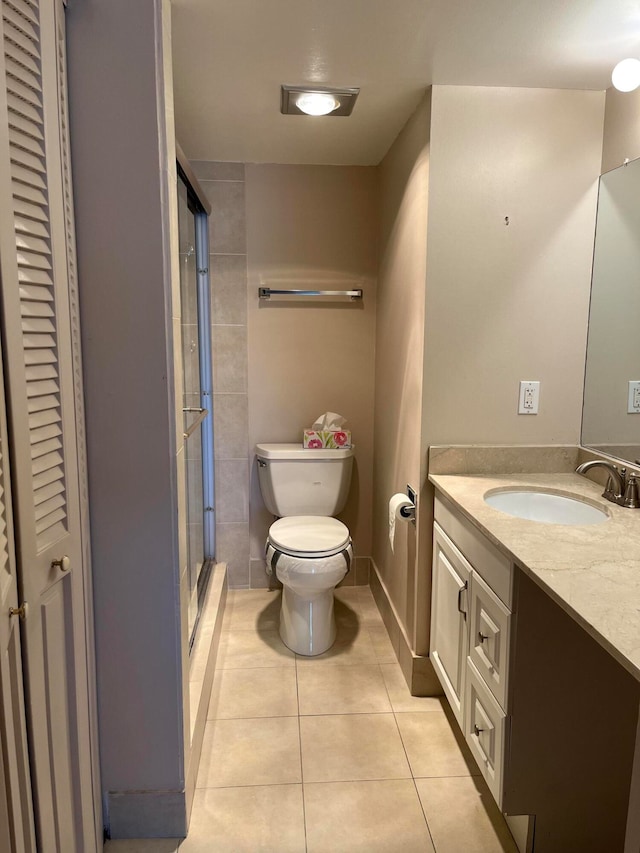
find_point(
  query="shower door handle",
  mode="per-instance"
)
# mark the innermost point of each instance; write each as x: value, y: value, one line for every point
x: 201, y: 416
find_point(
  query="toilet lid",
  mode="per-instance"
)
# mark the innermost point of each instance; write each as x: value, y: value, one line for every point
x: 309, y: 535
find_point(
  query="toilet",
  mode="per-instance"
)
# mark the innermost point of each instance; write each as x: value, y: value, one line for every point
x: 307, y: 548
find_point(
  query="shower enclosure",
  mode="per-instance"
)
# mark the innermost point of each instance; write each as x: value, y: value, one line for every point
x: 197, y: 402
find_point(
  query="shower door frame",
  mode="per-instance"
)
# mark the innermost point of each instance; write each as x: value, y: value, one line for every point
x: 201, y: 211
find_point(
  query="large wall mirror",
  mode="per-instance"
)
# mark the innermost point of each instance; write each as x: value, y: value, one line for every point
x: 611, y: 414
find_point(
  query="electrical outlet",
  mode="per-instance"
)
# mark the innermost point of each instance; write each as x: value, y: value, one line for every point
x: 529, y: 397
x: 633, y: 404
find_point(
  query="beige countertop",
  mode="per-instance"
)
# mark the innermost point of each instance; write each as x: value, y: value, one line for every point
x: 591, y: 571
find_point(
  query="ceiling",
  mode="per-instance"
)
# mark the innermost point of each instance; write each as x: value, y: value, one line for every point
x: 230, y: 57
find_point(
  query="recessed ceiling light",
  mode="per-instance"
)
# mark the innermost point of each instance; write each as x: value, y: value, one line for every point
x: 317, y: 101
x: 626, y: 75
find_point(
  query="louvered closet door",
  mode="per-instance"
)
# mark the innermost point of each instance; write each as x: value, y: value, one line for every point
x: 42, y: 415
x: 16, y: 808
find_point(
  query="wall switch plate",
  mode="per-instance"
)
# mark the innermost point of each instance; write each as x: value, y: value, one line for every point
x: 529, y: 396
x: 633, y: 405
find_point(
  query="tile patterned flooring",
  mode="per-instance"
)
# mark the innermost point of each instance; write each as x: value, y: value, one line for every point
x: 329, y: 754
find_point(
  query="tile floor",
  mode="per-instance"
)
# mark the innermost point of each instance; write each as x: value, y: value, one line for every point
x: 329, y: 754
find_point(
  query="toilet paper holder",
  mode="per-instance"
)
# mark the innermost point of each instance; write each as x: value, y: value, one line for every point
x: 409, y: 512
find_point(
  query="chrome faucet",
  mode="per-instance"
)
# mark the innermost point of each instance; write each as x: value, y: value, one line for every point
x: 620, y: 489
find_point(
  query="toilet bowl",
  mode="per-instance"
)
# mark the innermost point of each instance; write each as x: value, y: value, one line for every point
x: 310, y: 555
x: 307, y: 548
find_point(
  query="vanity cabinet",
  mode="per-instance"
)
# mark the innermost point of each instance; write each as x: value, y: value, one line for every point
x: 550, y: 717
x: 470, y: 637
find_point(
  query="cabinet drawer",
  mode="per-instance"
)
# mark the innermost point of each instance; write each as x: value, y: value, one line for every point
x: 490, y: 633
x: 485, y: 730
x: 494, y: 566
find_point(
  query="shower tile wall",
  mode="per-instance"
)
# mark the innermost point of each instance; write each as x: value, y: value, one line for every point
x: 224, y: 186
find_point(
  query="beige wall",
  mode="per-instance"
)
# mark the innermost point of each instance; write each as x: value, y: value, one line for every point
x: 404, y: 182
x: 509, y: 302
x: 621, y: 128
x: 503, y: 302
x: 306, y: 226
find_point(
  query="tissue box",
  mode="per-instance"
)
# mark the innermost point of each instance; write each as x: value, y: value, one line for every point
x: 331, y: 438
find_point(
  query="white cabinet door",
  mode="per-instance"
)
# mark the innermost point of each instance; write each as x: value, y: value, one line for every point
x: 449, y: 632
x: 42, y: 386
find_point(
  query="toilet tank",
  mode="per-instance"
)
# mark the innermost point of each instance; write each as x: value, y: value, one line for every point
x: 297, y: 481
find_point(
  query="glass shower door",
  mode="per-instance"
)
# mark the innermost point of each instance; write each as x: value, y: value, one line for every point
x: 196, y: 408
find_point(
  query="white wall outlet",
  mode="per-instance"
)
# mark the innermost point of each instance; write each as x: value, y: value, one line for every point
x: 633, y: 405
x: 529, y: 396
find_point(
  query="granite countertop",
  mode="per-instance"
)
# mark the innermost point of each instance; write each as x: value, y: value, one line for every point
x: 591, y: 571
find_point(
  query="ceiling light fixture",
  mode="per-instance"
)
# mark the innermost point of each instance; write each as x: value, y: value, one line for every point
x: 626, y: 75
x: 317, y: 101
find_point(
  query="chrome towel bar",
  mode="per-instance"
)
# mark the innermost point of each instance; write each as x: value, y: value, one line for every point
x: 268, y: 292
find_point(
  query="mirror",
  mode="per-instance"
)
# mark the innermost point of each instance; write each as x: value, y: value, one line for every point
x: 611, y: 412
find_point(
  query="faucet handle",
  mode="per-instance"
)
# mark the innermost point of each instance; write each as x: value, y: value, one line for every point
x: 631, y: 497
x: 611, y: 489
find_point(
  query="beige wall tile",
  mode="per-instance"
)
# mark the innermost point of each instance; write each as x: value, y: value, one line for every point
x: 462, y: 815
x: 227, y: 223
x: 385, y: 817
x: 232, y: 548
x: 229, y: 359
x: 247, y: 693
x: 432, y: 747
x: 352, y: 746
x: 250, y: 752
x: 254, y: 819
x: 228, y: 289
x: 232, y: 499
x: 231, y: 426
x: 357, y: 689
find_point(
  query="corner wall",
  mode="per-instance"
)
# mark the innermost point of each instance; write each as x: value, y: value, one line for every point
x: 621, y: 128
x: 398, y: 458
x: 123, y: 161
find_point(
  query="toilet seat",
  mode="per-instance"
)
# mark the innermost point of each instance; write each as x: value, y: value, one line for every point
x: 309, y: 536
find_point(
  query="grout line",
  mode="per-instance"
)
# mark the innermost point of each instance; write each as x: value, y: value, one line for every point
x: 304, y: 811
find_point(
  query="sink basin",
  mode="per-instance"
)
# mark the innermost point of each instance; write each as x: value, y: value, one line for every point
x: 545, y: 507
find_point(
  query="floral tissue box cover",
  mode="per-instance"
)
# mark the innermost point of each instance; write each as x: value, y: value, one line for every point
x: 327, y: 438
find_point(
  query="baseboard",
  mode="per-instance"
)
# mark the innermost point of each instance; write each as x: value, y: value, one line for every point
x: 417, y: 669
x: 147, y: 814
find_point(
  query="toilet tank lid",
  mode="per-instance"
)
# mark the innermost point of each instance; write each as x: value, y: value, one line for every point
x: 299, y: 453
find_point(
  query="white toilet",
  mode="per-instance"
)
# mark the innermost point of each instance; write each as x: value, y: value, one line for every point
x: 309, y: 550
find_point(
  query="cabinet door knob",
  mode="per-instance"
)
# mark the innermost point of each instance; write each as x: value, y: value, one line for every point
x: 476, y: 730
x: 21, y: 611
x: 482, y: 637
x: 64, y: 564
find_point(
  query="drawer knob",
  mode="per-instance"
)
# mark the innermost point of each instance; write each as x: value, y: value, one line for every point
x: 482, y: 637
x: 477, y: 730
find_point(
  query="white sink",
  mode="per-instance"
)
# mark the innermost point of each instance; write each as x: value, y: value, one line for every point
x: 545, y: 507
